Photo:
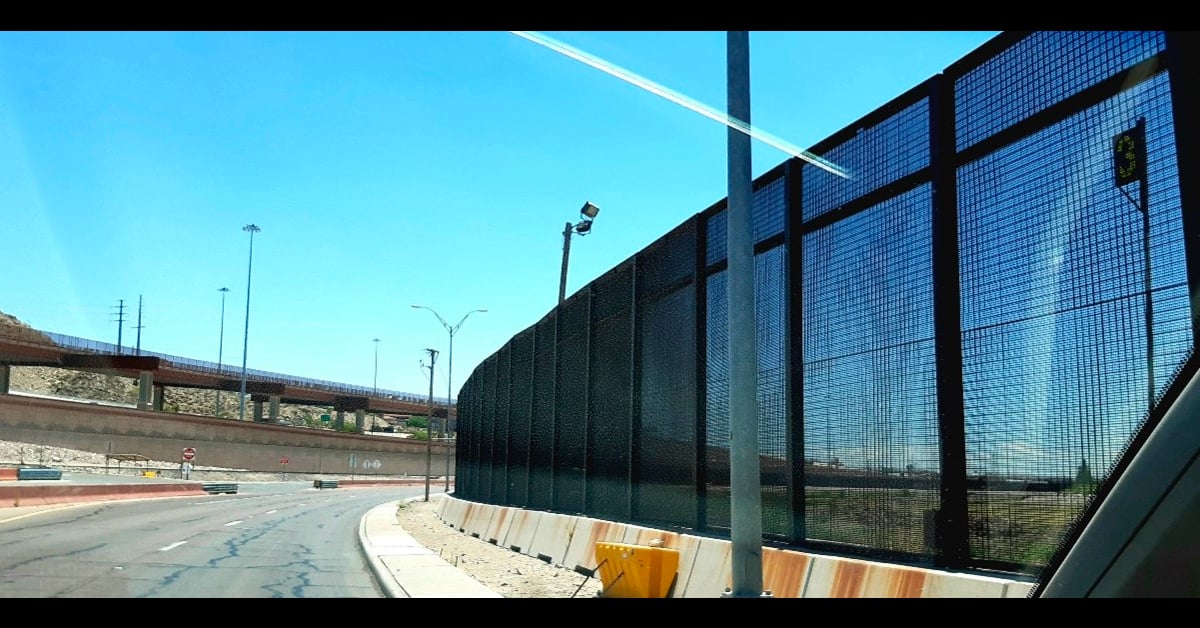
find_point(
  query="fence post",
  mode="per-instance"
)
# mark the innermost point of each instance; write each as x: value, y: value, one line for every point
x: 950, y: 524
x: 793, y: 238
x: 1182, y: 48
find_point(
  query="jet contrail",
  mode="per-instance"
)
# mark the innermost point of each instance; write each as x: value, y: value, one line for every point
x: 680, y: 99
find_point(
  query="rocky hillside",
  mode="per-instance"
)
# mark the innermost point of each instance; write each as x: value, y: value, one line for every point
x: 95, y: 385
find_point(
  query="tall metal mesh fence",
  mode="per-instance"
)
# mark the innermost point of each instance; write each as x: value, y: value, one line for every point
x: 570, y: 446
x: 666, y: 466
x: 486, y: 430
x: 500, y: 426
x: 1042, y: 281
x: 716, y: 414
x: 541, y: 439
x: 870, y: 429
x: 1054, y: 332
x: 610, y: 395
x: 520, y: 418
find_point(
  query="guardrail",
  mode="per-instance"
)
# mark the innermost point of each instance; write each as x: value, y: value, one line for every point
x: 325, y: 483
x: 217, y: 488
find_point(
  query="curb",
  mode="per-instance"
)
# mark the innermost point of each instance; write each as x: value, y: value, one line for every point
x: 383, y: 576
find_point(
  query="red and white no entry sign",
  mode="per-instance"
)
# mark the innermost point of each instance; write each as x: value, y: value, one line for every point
x: 189, y: 453
x: 283, y: 461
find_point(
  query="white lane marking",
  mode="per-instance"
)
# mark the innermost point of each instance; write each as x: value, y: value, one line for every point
x: 171, y: 546
x: 270, y: 512
x: 234, y: 522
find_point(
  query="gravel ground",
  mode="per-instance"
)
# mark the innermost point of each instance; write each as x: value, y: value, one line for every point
x: 509, y: 573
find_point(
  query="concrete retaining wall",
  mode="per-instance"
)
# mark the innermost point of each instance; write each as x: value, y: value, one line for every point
x: 218, y: 442
x: 704, y: 563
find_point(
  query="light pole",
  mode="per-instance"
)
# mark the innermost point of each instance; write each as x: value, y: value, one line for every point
x: 375, y: 384
x: 449, y: 377
x: 583, y: 227
x: 221, y: 349
x: 429, y: 424
x: 745, y: 484
x: 251, y: 229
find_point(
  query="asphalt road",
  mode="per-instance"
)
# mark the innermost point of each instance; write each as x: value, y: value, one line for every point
x: 270, y: 540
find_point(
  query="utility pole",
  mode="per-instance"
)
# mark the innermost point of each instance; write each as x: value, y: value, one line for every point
x: 429, y: 424
x: 120, y: 322
x: 139, y: 326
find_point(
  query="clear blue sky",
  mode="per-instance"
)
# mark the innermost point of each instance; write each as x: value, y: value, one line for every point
x: 385, y: 169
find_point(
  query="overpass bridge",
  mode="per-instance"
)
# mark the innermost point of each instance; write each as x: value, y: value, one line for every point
x: 22, y: 346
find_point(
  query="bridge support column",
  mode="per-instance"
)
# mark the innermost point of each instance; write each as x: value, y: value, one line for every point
x: 273, y: 409
x: 145, y: 392
x: 258, y: 410
x: 360, y: 416
x: 339, y: 419
x: 4, y: 377
x: 160, y: 392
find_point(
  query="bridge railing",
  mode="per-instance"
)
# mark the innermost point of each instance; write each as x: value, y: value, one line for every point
x: 87, y: 345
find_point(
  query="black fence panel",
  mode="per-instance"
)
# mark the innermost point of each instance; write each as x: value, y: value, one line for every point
x: 1055, y: 336
x: 500, y: 428
x: 610, y: 396
x: 884, y: 148
x: 541, y: 440
x: 487, y: 429
x: 770, y: 328
x: 464, y: 416
x: 570, y: 440
x: 1038, y: 72
x: 768, y: 206
x: 666, y: 458
x: 520, y: 417
x: 716, y: 412
x: 870, y: 424
x: 474, y: 436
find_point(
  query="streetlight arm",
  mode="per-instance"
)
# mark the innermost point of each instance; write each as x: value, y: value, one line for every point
x: 464, y: 319
x: 439, y: 316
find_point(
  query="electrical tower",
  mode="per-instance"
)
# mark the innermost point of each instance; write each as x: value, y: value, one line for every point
x: 139, y: 326
x: 120, y: 322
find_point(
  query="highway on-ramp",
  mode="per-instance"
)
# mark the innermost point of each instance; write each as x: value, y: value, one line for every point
x: 284, y: 539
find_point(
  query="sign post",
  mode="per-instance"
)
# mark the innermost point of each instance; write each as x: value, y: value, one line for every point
x: 1129, y: 166
x: 185, y: 467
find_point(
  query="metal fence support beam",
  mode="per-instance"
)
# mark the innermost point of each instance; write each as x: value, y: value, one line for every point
x: 1184, y: 72
x: 950, y: 522
x: 793, y: 237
